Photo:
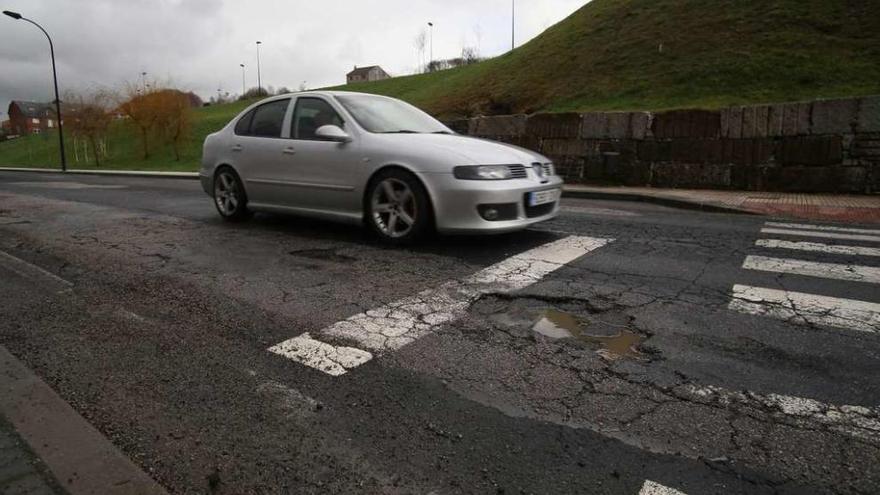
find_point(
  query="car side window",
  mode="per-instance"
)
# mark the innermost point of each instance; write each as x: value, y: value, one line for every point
x: 243, y: 127
x: 311, y: 114
x: 268, y: 119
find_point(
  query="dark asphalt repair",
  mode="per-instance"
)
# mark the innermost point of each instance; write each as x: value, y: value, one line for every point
x: 162, y: 345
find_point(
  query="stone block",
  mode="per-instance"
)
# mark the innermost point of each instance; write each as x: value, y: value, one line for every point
x: 654, y: 151
x: 554, y: 125
x: 834, y: 116
x: 805, y: 111
x: 868, y: 119
x: 501, y: 125
x: 563, y: 147
x: 691, y: 175
x: 790, y: 119
x: 762, y: 115
x: 811, y: 151
x: 528, y: 142
x: 594, y: 125
x: 724, y: 120
x: 734, y: 123
x: 775, y: 120
x: 461, y: 126
x: 749, y: 124
x: 619, y: 125
x: 640, y: 125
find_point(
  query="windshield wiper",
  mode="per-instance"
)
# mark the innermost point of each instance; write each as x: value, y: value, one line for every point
x: 441, y: 132
x: 402, y: 131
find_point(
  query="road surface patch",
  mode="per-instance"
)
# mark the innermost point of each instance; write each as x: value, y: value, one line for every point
x: 395, y: 325
x: 33, y: 272
x: 822, y: 233
x: 830, y: 228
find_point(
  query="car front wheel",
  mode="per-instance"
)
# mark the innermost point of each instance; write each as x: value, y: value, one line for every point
x: 229, y: 196
x: 398, y: 209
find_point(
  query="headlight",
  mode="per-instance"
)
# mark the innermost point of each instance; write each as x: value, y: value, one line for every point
x: 482, y: 172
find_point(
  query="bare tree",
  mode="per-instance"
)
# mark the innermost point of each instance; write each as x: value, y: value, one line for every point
x: 173, y: 119
x: 420, y: 41
x: 478, y: 34
x: 88, y: 117
x: 141, y: 112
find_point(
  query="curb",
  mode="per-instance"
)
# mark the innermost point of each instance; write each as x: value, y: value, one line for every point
x: 658, y: 200
x: 566, y: 192
x: 82, y: 459
x: 123, y: 173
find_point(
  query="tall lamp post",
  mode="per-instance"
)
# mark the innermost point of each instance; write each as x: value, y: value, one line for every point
x: 512, y: 24
x: 243, y: 83
x: 259, y: 81
x: 431, y: 24
x: 17, y: 16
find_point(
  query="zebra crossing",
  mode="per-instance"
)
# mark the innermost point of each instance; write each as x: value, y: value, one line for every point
x: 852, y: 254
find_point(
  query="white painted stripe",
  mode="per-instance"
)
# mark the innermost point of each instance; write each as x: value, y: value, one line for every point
x: 818, y: 248
x: 32, y: 272
x: 803, y: 226
x: 816, y: 233
x: 856, y: 421
x: 395, y: 325
x: 855, y: 273
x: 654, y: 488
x: 330, y: 359
x: 807, y: 308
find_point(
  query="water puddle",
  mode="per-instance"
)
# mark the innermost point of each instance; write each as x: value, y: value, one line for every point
x: 557, y: 324
x: 324, y: 255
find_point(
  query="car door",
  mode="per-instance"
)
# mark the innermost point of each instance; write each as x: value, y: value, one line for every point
x: 262, y: 149
x: 323, y: 174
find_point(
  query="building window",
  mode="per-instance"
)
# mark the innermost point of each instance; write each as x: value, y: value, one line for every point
x: 35, y: 121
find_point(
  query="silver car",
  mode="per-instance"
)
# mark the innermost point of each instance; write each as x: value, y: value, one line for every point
x: 371, y: 159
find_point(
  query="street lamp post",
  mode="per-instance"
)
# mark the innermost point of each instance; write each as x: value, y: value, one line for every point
x: 431, y: 24
x: 17, y: 16
x: 243, y: 83
x: 259, y: 80
x: 512, y: 24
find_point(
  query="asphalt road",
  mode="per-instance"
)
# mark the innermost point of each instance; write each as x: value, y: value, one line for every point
x: 213, y: 354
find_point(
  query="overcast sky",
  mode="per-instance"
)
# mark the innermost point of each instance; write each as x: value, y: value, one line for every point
x: 199, y: 44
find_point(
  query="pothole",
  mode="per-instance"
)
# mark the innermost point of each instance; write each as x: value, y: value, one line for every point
x: 324, y: 255
x: 556, y: 324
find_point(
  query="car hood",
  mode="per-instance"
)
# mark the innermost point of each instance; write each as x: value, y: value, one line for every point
x: 467, y: 150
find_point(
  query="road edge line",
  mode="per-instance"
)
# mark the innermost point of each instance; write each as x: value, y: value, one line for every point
x: 82, y: 459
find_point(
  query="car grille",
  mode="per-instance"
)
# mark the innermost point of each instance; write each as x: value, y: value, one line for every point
x: 548, y: 169
x: 517, y: 171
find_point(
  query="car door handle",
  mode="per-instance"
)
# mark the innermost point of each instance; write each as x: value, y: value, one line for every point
x: 237, y: 147
x: 289, y: 151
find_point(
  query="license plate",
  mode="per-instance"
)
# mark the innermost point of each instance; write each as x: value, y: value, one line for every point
x: 538, y: 198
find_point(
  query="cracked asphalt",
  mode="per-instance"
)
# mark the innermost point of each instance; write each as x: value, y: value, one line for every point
x: 162, y: 344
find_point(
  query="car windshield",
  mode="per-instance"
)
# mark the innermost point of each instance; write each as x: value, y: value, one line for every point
x: 389, y: 116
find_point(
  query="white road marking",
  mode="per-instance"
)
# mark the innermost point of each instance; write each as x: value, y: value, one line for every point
x: 817, y: 233
x: 32, y: 272
x: 855, y: 273
x: 856, y: 421
x: 817, y: 247
x: 395, y: 325
x: 803, y: 226
x: 654, y: 488
x: 810, y: 308
x: 330, y: 359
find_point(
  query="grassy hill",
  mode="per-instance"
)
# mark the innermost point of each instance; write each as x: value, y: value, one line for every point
x: 608, y: 56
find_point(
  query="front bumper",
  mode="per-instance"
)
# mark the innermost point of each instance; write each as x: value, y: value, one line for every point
x: 207, y: 183
x: 455, y: 202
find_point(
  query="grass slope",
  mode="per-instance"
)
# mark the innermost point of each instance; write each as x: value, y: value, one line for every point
x: 606, y: 56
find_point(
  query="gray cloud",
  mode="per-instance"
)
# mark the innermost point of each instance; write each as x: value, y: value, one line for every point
x: 199, y: 44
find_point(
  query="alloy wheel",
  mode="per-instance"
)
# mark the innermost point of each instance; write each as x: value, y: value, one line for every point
x: 394, y: 207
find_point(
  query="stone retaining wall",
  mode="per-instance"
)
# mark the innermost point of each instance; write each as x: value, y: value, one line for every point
x: 818, y: 146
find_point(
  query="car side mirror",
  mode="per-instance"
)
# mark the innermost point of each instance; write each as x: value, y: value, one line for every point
x: 332, y: 133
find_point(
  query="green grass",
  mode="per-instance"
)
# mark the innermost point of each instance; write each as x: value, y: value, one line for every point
x: 606, y: 56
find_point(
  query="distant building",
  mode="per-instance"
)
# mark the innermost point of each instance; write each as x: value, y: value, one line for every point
x: 363, y: 74
x: 28, y: 117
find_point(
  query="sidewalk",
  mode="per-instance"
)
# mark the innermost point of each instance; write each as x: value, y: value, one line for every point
x: 818, y: 207
x: 21, y: 471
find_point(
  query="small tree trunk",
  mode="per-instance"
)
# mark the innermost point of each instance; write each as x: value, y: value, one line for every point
x: 95, y: 150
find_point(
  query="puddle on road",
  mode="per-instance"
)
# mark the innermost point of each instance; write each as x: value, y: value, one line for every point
x: 324, y: 255
x: 557, y: 324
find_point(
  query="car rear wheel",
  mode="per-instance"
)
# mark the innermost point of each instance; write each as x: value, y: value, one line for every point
x: 229, y: 196
x: 398, y: 209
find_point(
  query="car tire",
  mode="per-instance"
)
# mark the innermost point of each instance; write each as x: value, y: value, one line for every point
x: 230, y: 198
x: 398, y: 208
